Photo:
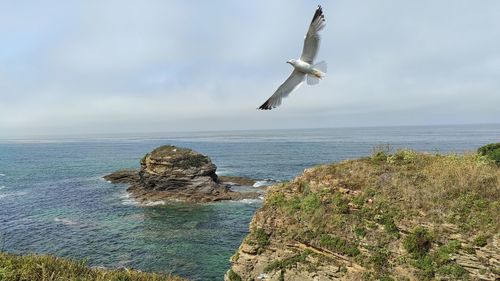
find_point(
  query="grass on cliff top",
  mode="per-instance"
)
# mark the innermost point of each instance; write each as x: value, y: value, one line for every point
x: 168, y: 150
x: 178, y: 156
x: 367, y: 209
x: 49, y: 268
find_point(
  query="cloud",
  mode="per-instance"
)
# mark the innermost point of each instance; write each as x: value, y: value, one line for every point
x: 129, y: 66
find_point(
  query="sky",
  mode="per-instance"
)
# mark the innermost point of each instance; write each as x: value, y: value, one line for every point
x: 83, y: 67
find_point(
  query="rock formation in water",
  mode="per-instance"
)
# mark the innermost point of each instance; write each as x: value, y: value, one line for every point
x: 401, y: 216
x: 170, y: 172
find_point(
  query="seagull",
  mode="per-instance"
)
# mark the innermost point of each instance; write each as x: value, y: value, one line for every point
x: 304, y: 66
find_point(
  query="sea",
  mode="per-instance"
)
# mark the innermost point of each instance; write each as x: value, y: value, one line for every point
x: 54, y: 200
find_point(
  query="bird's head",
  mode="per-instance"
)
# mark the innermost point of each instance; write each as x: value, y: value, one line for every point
x: 292, y: 62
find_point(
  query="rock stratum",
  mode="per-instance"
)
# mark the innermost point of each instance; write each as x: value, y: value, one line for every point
x: 400, y: 216
x: 175, y: 173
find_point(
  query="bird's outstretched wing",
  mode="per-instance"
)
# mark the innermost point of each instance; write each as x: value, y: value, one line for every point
x: 293, y: 81
x: 311, y: 41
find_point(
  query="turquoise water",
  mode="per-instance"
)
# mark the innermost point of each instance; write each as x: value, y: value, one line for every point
x: 53, y: 198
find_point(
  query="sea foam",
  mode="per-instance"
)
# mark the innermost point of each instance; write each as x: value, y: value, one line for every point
x: 266, y: 182
x: 251, y: 201
x: 154, y: 203
x: 128, y: 201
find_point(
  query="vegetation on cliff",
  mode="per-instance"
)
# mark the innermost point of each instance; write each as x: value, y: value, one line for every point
x: 49, y: 268
x: 179, y: 156
x: 400, y: 216
x: 491, y: 151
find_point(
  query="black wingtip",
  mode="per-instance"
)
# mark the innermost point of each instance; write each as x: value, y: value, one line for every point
x: 265, y: 106
x: 318, y: 13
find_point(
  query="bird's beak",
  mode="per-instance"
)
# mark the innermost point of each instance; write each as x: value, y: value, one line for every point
x: 289, y: 61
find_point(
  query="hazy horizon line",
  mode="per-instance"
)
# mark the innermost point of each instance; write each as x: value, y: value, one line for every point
x: 55, y: 136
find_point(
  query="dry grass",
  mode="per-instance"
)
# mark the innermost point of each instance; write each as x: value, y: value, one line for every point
x: 49, y: 268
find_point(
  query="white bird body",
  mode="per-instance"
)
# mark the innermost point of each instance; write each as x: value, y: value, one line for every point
x: 306, y: 68
x: 303, y: 67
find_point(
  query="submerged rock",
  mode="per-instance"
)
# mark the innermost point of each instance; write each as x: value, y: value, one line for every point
x: 170, y: 172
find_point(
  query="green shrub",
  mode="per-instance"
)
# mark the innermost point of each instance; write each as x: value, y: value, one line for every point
x: 310, y: 203
x: 444, y: 253
x: 261, y: 237
x: 380, y: 152
x: 379, y: 156
x: 481, y: 241
x: 340, y: 204
x: 492, y: 151
x: 418, y: 243
x: 454, y: 270
x: 288, y: 262
x: 233, y: 276
x: 338, y: 245
x: 193, y: 161
x: 277, y: 199
x: 360, y: 231
x: 426, y: 266
x: 388, y: 222
x: 293, y: 205
x: 380, y: 260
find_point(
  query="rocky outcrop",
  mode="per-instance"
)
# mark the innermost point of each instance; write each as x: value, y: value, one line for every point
x: 175, y: 173
x: 404, y: 216
x: 170, y: 168
x: 123, y: 176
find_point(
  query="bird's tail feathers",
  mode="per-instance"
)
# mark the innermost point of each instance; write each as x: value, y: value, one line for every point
x: 319, y: 71
x: 312, y: 79
x: 321, y: 66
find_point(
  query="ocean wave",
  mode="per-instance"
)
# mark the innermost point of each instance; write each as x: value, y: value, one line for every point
x: 126, y: 195
x: 154, y: 203
x: 266, y: 182
x: 65, y: 221
x: 19, y: 193
x: 2, y: 175
x: 101, y: 178
x: 251, y: 201
x: 128, y: 201
x: 2, y: 186
x: 223, y: 171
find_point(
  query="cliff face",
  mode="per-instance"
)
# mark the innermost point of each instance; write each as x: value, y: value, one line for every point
x: 405, y: 216
x: 170, y: 172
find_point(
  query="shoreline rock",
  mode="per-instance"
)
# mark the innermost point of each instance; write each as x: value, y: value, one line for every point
x: 174, y: 173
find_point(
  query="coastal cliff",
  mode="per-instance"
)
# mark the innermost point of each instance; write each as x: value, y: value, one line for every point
x: 174, y: 173
x: 401, y: 216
